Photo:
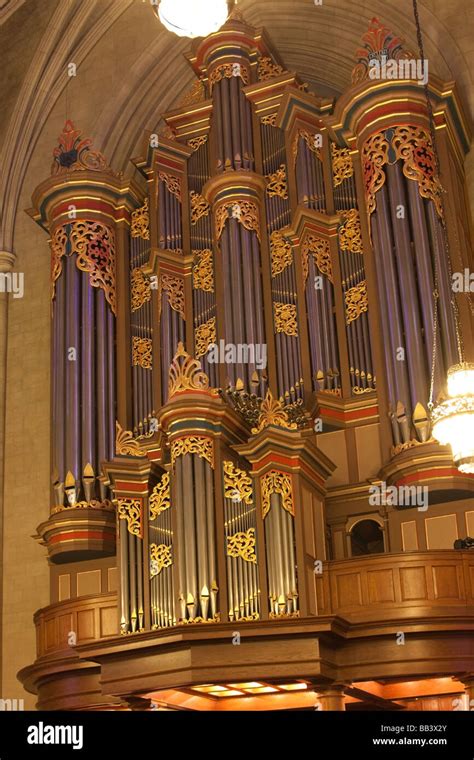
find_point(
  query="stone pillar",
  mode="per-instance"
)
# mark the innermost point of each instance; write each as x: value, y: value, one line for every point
x: 7, y: 259
x: 330, y: 697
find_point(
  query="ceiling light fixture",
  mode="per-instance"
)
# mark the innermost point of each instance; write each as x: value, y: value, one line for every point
x: 192, y: 18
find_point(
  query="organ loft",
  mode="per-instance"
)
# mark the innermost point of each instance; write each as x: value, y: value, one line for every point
x: 242, y: 331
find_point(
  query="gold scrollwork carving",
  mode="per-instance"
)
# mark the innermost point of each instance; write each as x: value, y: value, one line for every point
x: 281, y: 252
x: 159, y: 500
x: 277, y: 482
x: 203, y: 275
x: 227, y: 71
x: 186, y: 373
x: 321, y: 252
x: 204, y: 336
x: 174, y: 288
x: 160, y: 557
x: 246, y: 213
x: 199, y: 207
x: 311, y: 142
x: 141, y: 352
x: 374, y: 157
x: 93, y: 243
x: 140, y: 288
x: 284, y: 315
x: 196, y: 142
x: 269, y: 119
x: 172, y: 183
x: 196, y: 94
x: 413, y: 146
x: 237, y: 483
x: 277, y: 184
x: 242, y: 545
x: 272, y: 413
x: 267, y: 69
x: 350, y: 233
x: 356, y: 301
x: 140, y: 226
x: 200, y: 445
x: 127, y: 445
x: 342, y: 166
x: 131, y: 511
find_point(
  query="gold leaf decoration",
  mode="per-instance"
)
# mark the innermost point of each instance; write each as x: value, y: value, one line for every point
x: 356, y: 301
x: 200, y: 445
x: 141, y: 352
x: 284, y: 315
x: 342, y: 166
x: 267, y: 69
x: 160, y: 557
x: 242, y: 545
x: 174, y: 288
x: 159, y: 500
x: 204, y: 336
x: 246, y: 213
x: 277, y: 482
x: 281, y: 252
x: 413, y: 146
x: 172, y: 183
x: 186, y: 374
x: 374, y: 157
x: 269, y: 119
x: 140, y: 226
x: 196, y: 142
x: 127, y: 445
x: 131, y: 511
x: 321, y: 253
x: 203, y: 275
x: 277, y: 184
x: 237, y: 483
x: 199, y: 207
x: 228, y: 70
x: 196, y: 94
x: 310, y: 140
x: 140, y: 288
x: 272, y: 413
x: 350, y: 233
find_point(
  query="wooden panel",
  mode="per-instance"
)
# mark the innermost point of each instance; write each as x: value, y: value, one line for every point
x: 445, y: 580
x: 65, y: 626
x: 409, y: 536
x: 50, y: 634
x: 112, y: 579
x: 441, y: 532
x: 413, y: 583
x: 108, y: 621
x: 470, y: 524
x: 349, y: 591
x: 338, y: 538
x: 381, y: 586
x: 64, y: 587
x: 88, y: 583
x: 85, y: 625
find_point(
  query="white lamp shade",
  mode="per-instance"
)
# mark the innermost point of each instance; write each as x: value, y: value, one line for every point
x: 193, y: 18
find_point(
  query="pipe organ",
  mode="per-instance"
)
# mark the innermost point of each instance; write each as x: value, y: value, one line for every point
x: 250, y: 282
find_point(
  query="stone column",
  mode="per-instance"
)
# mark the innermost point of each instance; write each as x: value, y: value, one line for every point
x: 7, y: 259
x: 330, y: 697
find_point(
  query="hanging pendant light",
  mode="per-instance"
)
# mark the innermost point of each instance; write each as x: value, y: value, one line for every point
x: 452, y: 419
x: 193, y: 18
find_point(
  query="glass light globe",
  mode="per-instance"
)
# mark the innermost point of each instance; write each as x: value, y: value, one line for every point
x: 193, y: 18
x: 453, y: 419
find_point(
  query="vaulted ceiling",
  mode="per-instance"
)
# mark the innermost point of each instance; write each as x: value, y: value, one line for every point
x: 130, y: 69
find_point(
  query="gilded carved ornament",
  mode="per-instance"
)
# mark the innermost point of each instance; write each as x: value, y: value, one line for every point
x: 160, y: 557
x: 350, y: 232
x: 237, y: 483
x: 342, y: 166
x: 203, y: 274
x: 172, y: 183
x: 140, y: 289
x: 269, y: 119
x: 140, y: 226
x: 378, y: 41
x: 272, y: 413
x: 196, y: 142
x: 159, y: 500
x: 205, y: 336
x: 196, y: 94
x: 186, y: 374
x: 321, y: 253
x: 141, y: 352
x: 200, y: 445
x: 281, y: 252
x: 285, y: 318
x: 242, y: 545
x: 174, y: 288
x: 277, y: 184
x: 131, y: 511
x: 74, y: 153
x: 93, y: 243
x: 267, y: 69
x: 311, y: 140
x: 280, y: 483
x: 127, y: 445
x: 356, y: 301
x: 246, y: 213
x: 227, y: 71
x: 199, y: 207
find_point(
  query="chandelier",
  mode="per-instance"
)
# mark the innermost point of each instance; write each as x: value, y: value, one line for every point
x: 453, y: 418
x: 192, y: 18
